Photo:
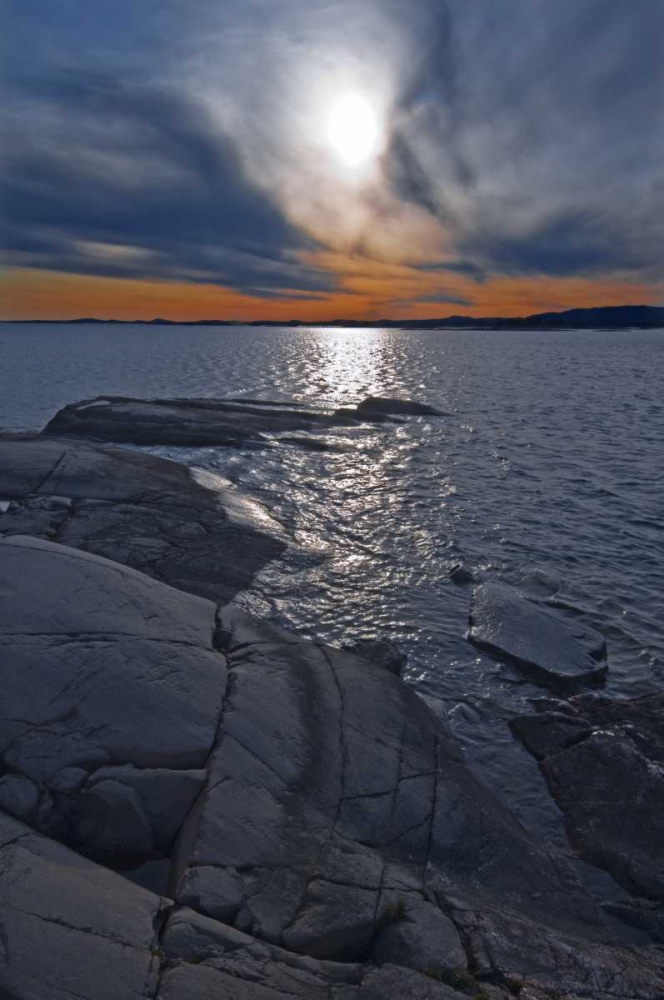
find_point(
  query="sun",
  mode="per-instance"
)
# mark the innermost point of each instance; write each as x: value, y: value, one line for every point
x: 354, y: 131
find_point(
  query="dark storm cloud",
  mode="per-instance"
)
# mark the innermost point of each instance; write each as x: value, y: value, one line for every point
x: 533, y: 132
x: 134, y: 180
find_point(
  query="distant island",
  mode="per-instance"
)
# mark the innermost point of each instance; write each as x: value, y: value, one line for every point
x: 603, y: 317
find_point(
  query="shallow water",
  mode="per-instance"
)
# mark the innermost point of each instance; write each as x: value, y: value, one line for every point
x: 546, y: 473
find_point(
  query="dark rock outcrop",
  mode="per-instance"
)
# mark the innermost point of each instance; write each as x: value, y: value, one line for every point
x: 551, y: 649
x: 220, y: 422
x: 399, y: 407
x: 381, y: 652
x: 190, y: 422
x: 191, y: 530
x: 602, y: 759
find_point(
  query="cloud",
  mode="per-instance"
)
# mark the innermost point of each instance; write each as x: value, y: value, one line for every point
x: 186, y: 142
x: 134, y: 180
x: 530, y: 132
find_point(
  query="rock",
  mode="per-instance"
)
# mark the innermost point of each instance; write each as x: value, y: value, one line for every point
x: 461, y: 575
x: 188, y: 422
x: 407, y: 407
x: 100, y: 664
x: 422, y: 938
x: 26, y: 465
x: 112, y: 825
x: 332, y: 790
x: 603, y: 765
x: 381, y: 652
x: 549, y: 732
x: 69, y: 927
x: 551, y: 649
x: 334, y: 803
x: 166, y: 796
x: 36, y: 515
x: 189, y: 529
x: 214, y: 892
x: 19, y: 796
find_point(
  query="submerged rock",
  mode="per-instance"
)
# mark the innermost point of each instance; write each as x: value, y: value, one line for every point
x: 603, y: 764
x: 551, y: 649
x: 461, y: 575
x: 405, y: 407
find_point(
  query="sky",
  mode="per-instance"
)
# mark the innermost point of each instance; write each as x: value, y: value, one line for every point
x: 316, y: 159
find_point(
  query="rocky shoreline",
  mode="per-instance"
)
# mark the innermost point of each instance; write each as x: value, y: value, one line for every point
x: 195, y: 803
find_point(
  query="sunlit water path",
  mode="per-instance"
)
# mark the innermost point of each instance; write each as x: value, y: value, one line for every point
x: 547, y: 473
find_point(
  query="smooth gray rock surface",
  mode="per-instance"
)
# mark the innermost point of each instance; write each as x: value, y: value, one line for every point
x: 71, y: 930
x: 189, y: 529
x: 552, y: 649
x: 99, y: 666
x: 603, y: 764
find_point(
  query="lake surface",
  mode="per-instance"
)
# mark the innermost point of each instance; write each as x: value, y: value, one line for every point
x: 547, y: 473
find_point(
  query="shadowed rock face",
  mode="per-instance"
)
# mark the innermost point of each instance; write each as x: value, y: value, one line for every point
x: 602, y: 759
x: 197, y: 534
x: 551, y: 649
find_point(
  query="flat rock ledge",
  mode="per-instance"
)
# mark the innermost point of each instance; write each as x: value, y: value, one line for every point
x: 549, y: 648
x: 192, y: 530
x: 229, y: 422
x: 318, y: 832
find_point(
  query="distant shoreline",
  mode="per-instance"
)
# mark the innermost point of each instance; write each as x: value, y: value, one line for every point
x: 603, y: 317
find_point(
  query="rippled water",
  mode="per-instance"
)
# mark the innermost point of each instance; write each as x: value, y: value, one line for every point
x: 546, y: 473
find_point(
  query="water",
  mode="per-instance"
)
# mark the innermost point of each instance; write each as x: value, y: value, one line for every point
x: 546, y: 474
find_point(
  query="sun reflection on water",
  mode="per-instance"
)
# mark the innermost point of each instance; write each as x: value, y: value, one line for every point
x: 350, y: 364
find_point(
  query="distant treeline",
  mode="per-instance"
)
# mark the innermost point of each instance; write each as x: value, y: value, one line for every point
x: 603, y: 317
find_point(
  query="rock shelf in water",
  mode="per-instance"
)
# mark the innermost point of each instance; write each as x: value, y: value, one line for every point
x: 550, y: 648
x: 198, y: 422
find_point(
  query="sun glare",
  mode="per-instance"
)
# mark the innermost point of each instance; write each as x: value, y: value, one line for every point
x: 354, y: 131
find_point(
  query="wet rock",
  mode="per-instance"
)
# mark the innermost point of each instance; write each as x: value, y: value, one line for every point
x: 381, y: 652
x: 188, y: 422
x: 191, y: 530
x: 550, y: 648
x: 406, y: 407
x: 461, y: 575
x: 603, y: 764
